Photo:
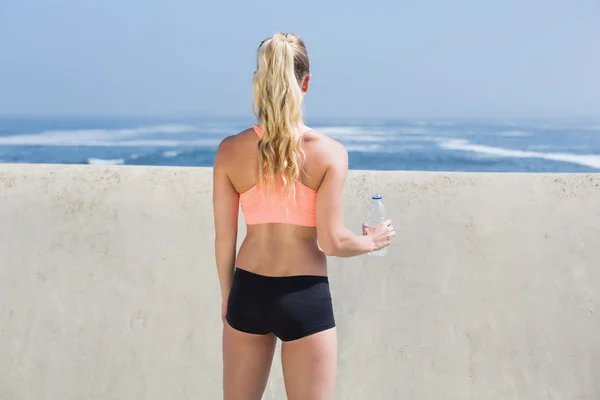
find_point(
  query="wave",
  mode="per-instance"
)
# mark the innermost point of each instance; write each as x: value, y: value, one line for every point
x: 435, y: 123
x: 163, y: 143
x: 170, y: 154
x: 340, y: 130
x: 587, y: 160
x: 412, y: 131
x: 365, y: 148
x: 515, y: 134
x: 113, y: 143
x: 414, y: 138
x: 376, y: 148
x: 99, y: 161
x: 354, y: 134
x: 93, y: 137
x: 541, y: 147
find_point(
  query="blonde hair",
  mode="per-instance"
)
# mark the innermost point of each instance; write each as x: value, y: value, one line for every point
x: 282, y: 64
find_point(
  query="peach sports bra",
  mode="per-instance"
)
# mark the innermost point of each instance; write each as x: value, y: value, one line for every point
x: 275, y: 207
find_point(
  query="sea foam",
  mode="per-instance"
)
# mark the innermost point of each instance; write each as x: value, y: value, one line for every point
x: 515, y: 134
x: 587, y: 160
x: 99, y: 161
x: 101, y: 137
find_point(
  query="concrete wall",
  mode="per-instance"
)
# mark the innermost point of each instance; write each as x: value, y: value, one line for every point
x: 108, y: 287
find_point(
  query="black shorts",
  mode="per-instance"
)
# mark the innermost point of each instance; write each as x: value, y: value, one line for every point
x: 291, y: 307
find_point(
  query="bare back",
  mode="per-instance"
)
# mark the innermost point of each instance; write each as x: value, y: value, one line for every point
x: 279, y: 249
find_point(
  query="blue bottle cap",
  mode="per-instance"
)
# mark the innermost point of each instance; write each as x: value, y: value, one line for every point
x: 376, y: 197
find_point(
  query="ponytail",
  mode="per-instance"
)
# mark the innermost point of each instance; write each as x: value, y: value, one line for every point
x: 277, y: 104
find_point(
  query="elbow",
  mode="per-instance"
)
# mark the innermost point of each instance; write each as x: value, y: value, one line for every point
x: 331, y: 248
x: 333, y: 242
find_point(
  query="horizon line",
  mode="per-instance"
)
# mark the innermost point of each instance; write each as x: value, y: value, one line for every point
x: 315, y: 117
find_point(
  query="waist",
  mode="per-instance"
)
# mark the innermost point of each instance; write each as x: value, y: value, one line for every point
x: 282, y: 256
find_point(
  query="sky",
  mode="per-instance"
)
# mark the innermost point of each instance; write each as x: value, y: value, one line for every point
x: 393, y: 59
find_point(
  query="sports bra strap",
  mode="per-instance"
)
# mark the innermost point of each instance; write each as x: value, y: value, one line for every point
x: 258, y: 130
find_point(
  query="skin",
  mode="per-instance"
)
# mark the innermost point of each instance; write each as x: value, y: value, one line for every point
x: 309, y: 364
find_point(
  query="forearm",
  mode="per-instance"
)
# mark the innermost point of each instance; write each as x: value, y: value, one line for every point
x: 348, y: 244
x: 225, y: 252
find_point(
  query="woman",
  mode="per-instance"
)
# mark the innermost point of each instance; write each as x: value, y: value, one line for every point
x: 288, y: 179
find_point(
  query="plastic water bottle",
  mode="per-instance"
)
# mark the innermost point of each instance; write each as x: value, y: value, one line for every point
x: 376, y: 214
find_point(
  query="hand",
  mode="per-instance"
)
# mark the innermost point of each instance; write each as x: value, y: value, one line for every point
x: 380, y: 234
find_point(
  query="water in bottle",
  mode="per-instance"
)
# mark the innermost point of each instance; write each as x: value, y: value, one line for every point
x: 376, y: 215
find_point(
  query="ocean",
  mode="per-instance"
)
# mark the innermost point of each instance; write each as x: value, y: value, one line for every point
x: 432, y: 145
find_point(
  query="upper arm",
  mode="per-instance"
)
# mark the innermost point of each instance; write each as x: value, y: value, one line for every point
x: 225, y: 197
x: 330, y: 219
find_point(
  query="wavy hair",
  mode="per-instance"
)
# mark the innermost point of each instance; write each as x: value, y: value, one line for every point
x: 282, y: 64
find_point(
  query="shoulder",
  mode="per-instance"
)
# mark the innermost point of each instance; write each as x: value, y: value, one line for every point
x: 237, y: 139
x: 330, y: 150
x: 232, y: 143
x: 231, y: 149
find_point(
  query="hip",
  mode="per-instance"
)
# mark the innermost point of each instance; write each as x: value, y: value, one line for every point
x: 291, y: 307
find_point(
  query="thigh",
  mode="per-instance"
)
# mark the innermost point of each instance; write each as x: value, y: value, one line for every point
x: 247, y: 360
x: 309, y: 366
